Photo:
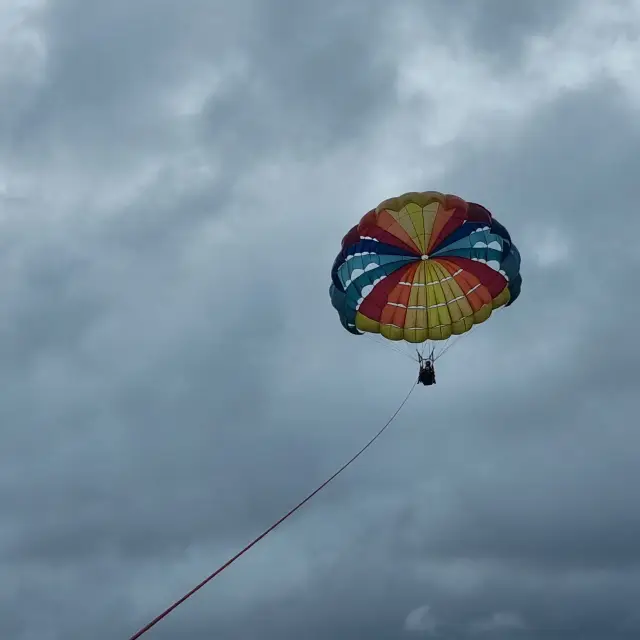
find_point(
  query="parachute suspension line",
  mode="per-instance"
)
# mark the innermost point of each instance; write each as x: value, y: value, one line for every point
x: 454, y: 341
x: 389, y: 345
x: 426, y: 348
x: 420, y: 348
x: 443, y: 348
x: 229, y: 562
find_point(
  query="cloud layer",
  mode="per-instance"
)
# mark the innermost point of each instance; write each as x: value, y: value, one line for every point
x: 175, y: 179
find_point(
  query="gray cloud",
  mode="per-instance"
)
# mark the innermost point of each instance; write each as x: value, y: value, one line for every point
x: 175, y: 182
x: 497, y: 30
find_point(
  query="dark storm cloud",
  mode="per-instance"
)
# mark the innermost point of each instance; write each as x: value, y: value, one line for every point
x: 109, y: 63
x: 502, y: 29
x: 325, y: 93
x: 141, y: 384
x: 175, y: 378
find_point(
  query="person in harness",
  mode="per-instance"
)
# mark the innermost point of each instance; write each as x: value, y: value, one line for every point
x: 427, y: 375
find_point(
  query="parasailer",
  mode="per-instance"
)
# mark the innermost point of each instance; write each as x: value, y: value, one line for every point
x: 424, y: 267
x: 427, y: 373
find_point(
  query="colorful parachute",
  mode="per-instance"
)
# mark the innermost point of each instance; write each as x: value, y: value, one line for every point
x: 424, y: 266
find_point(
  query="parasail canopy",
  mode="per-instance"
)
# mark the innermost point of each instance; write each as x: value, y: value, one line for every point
x: 424, y: 266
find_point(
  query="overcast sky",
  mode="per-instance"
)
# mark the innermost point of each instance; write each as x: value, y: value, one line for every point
x: 175, y: 180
